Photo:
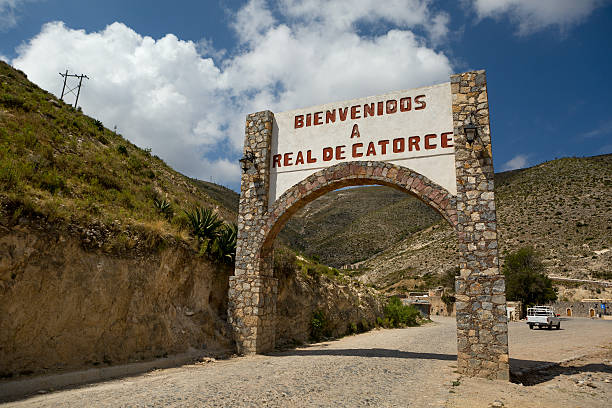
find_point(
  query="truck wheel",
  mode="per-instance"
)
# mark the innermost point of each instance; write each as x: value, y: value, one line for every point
x: 558, y: 326
x: 530, y: 326
x: 549, y: 326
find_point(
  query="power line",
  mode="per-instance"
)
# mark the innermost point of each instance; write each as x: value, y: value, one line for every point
x: 71, y: 90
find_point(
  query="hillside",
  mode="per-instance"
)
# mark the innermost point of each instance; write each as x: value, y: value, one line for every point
x: 350, y: 225
x: 562, y: 207
x: 66, y: 167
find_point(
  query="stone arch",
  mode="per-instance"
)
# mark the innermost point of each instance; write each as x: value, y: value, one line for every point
x: 482, y: 338
x: 591, y: 312
x: 568, y: 312
x: 358, y: 173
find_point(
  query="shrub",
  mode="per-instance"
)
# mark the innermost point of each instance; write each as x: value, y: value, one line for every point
x: 164, y: 208
x: 122, y: 150
x: 205, y: 226
x: 400, y: 315
x: 9, y: 178
x: 99, y: 125
x: 319, y: 326
x: 51, y: 181
x: 224, y: 245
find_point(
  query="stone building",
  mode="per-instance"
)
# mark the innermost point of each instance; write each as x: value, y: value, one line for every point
x: 584, y: 308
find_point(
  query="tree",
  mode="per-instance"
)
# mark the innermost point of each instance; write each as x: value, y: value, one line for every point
x: 525, y: 278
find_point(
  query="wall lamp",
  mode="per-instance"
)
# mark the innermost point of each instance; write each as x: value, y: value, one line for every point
x: 249, y: 157
x: 470, y: 129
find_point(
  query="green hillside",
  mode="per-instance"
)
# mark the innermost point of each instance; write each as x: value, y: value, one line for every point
x: 61, y: 165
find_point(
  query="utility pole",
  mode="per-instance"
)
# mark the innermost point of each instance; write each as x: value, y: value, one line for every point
x: 71, y: 90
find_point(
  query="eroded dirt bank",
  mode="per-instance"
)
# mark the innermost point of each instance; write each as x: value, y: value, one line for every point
x: 63, y: 307
x: 66, y: 306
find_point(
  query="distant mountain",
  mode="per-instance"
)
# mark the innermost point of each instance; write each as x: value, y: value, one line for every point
x: 562, y: 207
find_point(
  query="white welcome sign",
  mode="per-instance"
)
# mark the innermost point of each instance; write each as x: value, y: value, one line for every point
x: 412, y: 128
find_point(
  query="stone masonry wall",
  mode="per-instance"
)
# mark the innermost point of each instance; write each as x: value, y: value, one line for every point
x: 482, y: 329
x: 252, y: 292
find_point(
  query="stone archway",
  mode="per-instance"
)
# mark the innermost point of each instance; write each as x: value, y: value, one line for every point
x: 359, y: 173
x: 482, y: 338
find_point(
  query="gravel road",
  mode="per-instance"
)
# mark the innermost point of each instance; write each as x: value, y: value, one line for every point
x: 382, y: 368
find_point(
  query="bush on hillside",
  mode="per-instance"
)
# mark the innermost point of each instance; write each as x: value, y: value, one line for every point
x: 525, y: 278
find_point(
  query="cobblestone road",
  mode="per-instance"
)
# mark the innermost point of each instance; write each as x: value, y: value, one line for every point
x: 385, y: 368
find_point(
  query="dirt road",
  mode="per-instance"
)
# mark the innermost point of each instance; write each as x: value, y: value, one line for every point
x: 383, y: 368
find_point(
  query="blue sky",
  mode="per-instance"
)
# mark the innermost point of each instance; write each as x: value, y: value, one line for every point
x: 178, y: 77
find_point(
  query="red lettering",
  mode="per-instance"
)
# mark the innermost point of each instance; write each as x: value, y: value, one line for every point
x: 413, y: 142
x: 355, y: 132
x: 276, y: 159
x: 380, y: 108
x: 391, y: 106
x: 405, y: 104
x: 383, y: 144
x: 446, y: 140
x: 299, y: 121
x: 355, y: 147
x: 399, y: 145
x: 371, y: 150
x: 340, y: 152
x: 328, y: 153
x: 421, y: 103
x: 309, y: 158
x: 355, y: 112
x: 308, y: 119
x: 342, y: 113
x: 287, y: 159
x: 330, y: 116
x: 318, y: 118
x: 428, y: 145
x: 299, y: 159
x: 368, y: 110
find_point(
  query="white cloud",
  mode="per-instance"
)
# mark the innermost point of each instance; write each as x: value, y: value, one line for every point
x: 603, y: 129
x: 517, y: 162
x: 534, y: 15
x: 170, y: 95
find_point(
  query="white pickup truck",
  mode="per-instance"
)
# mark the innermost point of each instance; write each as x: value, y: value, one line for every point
x: 542, y: 316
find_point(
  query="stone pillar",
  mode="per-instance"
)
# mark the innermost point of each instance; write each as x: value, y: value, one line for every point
x: 482, y: 328
x: 253, y: 289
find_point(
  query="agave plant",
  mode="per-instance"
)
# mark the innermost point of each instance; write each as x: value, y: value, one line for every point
x: 224, y: 247
x: 205, y: 225
x: 163, y: 207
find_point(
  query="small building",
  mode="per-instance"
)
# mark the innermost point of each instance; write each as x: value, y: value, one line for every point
x: 423, y: 306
